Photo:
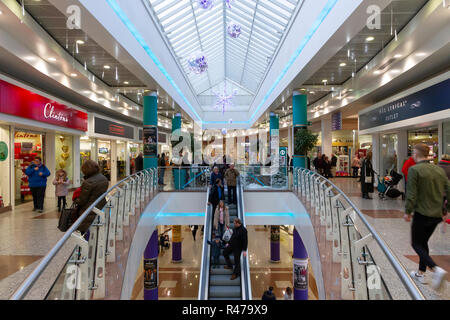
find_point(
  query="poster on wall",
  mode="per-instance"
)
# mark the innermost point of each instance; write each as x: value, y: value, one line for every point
x: 176, y: 233
x: 150, y: 141
x: 150, y: 274
x: 275, y: 233
x: 300, y: 274
x: 3, y: 151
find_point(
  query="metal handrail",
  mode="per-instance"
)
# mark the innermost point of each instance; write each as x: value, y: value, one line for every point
x: 405, y: 278
x: 203, y: 291
x: 32, y: 278
x: 245, y: 269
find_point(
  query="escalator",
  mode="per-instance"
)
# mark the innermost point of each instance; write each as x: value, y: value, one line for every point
x: 215, y: 283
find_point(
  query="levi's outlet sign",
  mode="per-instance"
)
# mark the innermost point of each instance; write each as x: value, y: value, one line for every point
x: 22, y: 103
x: 433, y: 99
x: 109, y: 128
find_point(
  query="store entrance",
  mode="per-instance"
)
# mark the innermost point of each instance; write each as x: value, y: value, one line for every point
x: 429, y: 136
x: 104, y: 158
x: 27, y: 146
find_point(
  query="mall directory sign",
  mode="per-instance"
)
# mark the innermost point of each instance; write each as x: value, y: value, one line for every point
x: 23, y: 103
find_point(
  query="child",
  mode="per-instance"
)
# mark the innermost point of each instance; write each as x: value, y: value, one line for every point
x: 61, y: 182
x: 216, y: 246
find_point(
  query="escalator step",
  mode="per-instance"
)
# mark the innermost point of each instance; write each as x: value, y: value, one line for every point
x: 223, y: 280
x: 225, y: 291
x: 222, y: 259
x: 221, y: 270
x: 225, y: 299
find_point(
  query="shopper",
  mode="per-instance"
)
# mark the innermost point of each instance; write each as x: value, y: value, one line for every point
x: 237, y: 245
x: 408, y: 164
x: 231, y: 176
x: 326, y: 164
x: 288, y: 294
x: 367, y: 176
x: 162, y: 169
x: 216, y: 249
x: 317, y: 162
x: 355, y: 166
x: 221, y: 218
x: 216, y: 194
x: 194, y: 229
x: 215, y: 175
x: 61, y: 183
x: 269, y: 295
x: 334, y: 160
x: 427, y: 186
x: 139, y: 162
x: 37, y: 174
x: 445, y: 164
x: 94, y: 186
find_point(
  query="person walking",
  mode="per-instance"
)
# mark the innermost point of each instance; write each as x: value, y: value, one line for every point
x: 367, y: 176
x: 288, y: 294
x: 408, y: 164
x: 194, y: 229
x: 61, y: 183
x: 221, y: 218
x: 317, y: 162
x: 327, y: 167
x: 355, y: 166
x: 94, y: 185
x: 37, y: 174
x: 269, y: 295
x: 334, y: 160
x: 216, y: 248
x: 231, y: 176
x: 139, y: 162
x: 162, y: 169
x: 427, y: 186
x: 237, y: 244
x: 216, y: 194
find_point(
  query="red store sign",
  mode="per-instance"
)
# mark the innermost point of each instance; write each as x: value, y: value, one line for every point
x: 22, y: 103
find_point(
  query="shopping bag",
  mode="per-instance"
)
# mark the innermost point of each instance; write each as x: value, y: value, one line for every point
x: 368, y: 179
x: 227, y: 235
x: 68, y: 217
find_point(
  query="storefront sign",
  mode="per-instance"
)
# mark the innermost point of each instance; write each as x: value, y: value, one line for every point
x: 336, y: 121
x: 150, y: 141
x: 22, y: 103
x: 106, y: 127
x: 433, y: 99
x: 301, y: 274
x: 150, y: 274
x: 3, y: 151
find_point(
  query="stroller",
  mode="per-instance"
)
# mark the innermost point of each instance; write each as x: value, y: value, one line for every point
x: 386, y: 186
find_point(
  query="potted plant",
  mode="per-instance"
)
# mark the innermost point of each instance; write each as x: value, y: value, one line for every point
x: 304, y: 141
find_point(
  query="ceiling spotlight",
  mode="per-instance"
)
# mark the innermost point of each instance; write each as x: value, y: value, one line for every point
x: 397, y: 56
x: 1, y: 12
x: 368, y: 39
x: 126, y: 82
x: 107, y: 67
x: 395, y: 71
x: 377, y: 72
x: 311, y: 92
x: 80, y: 41
x: 52, y: 59
x: 343, y: 64
x: 421, y: 54
x: 73, y: 75
x: 324, y: 80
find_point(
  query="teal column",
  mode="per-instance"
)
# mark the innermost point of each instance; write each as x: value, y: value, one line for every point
x: 151, y: 121
x: 274, y: 125
x: 179, y: 176
x: 275, y: 230
x: 300, y: 122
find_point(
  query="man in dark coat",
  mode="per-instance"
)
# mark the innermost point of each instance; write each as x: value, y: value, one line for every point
x: 367, y: 176
x: 139, y: 162
x: 237, y: 244
x: 216, y: 194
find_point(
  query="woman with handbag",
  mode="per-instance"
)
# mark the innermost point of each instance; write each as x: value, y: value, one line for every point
x: 221, y: 218
x: 367, y: 176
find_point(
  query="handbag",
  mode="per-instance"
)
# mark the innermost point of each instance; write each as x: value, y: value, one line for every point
x: 227, y: 235
x: 368, y: 179
x: 68, y: 217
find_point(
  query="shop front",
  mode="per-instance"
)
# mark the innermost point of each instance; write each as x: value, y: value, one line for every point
x: 418, y: 115
x: 33, y: 125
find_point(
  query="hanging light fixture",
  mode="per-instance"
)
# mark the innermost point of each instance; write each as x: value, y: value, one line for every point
x: 224, y: 100
x: 206, y: 4
x: 198, y: 63
x: 234, y: 30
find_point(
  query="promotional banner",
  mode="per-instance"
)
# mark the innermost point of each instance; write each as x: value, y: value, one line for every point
x: 150, y: 273
x: 150, y: 141
x: 336, y: 121
x: 20, y: 102
x: 176, y: 233
x: 275, y: 233
x: 300, y: 274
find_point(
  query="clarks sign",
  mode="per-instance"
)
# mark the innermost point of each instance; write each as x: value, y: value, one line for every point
x: 433, y: 99
x: 22, y: 103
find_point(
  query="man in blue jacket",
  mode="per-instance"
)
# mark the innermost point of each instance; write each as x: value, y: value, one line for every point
x: 37, y: 180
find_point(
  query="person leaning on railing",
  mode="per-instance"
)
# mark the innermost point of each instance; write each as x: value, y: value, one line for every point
x: 94, y: 186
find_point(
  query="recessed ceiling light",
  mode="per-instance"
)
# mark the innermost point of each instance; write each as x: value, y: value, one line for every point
x: 107, y: 67
x: 343, y: 64
x: 52, y: 59
x: 1, y: 12
x: 324, y: 80
x: 377, y: 72
x: 73, y: 75
x: 421, y: 54
x: 311, y: 92
x: 397, y: 56
x: 395, y: 71
x: 370, y: 38
x: 126, y: 82
x: 80, y: 41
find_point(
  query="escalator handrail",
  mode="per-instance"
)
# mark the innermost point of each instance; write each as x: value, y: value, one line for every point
x: 203, y: 292
x: 246, y: 285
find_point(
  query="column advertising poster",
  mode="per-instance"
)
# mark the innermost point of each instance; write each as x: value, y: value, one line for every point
x: 150, y: 141
x: 300, y: 274
x: 275, y: 233
x: 176, y: 233
x: 150, y: 273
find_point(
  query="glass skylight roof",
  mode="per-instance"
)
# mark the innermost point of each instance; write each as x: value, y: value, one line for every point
x: 244, y: 61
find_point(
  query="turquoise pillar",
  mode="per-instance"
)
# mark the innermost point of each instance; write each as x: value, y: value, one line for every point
x: 274, y: 125
x: 151, y: 125
x: 150, y: 120
x: 300, y: 122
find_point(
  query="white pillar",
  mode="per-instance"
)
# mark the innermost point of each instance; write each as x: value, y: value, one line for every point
x: 76, y: 162
x: 113, y: 162
x: 290, y: 147
x: 327, y: 137
x: 50, y: 163
x: 127, y: 158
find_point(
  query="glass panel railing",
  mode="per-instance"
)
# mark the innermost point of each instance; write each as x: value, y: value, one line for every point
x: 184, y: 178
x: 87, y: 266
x: 258, y: 177
x: 357, y: 264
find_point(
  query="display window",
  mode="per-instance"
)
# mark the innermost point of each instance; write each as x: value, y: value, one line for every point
x: 5, y: 171
x: 388, y: 153
x: 121, y: 160
x: 135, y: 149
x: 104, y: 158
x: 27, y: 146
x: 342, y: 142
x: 86, y: 147
x: 446, y: 138
x: 429, y: 136
x: 64, y: 154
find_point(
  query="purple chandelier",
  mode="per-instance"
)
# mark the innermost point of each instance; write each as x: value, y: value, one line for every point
x: 234, y: 30
x: 224, y: 100
x: 198, y: 63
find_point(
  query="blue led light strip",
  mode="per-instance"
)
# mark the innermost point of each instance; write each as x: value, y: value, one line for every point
x: 324, y: 13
